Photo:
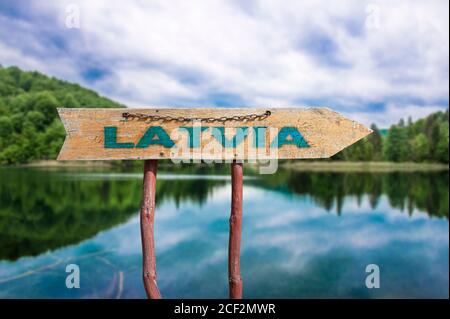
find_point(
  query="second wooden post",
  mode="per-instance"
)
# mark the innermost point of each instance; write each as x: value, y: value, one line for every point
x: 234, y: 245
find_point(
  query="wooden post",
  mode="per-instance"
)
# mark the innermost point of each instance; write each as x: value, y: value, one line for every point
x: 147, y: 225
x: 234, y: 245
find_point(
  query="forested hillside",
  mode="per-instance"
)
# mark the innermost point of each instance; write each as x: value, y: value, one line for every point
x: 30, y: 128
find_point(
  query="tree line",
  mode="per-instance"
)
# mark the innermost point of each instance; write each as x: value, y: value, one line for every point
x: 425, y: 140
x: 30, y: 128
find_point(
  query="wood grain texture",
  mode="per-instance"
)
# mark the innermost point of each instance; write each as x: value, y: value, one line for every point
x: 147, y: 217
x: 325, y: 131
x: 234, y: 244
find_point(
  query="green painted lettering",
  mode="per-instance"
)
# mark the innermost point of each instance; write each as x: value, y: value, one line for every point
x: 194, y: 135
x: 155, y: 135
x: 259, y: 136
x: 289, y: 136
x: 110, y: 138
x: 219, y: 134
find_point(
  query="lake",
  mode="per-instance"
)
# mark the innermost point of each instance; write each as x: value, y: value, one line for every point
x: 305, y: 234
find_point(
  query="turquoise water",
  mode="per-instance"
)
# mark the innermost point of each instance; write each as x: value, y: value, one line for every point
x: 305, y: 235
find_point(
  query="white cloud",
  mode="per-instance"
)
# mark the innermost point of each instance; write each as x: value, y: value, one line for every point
x: 258, y: 53
x: 393, y: 113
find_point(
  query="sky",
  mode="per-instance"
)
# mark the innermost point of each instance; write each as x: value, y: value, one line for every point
x: 373, y: 61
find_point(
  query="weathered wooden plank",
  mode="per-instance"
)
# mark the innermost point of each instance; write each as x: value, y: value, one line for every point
x: 287, y: 133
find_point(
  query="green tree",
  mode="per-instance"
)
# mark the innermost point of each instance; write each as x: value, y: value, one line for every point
x: 19, y: 103
x: 6, y: 126
x: 46, y: 103
x: 52, y: 140
x: 396, y: 148
x: 432, y: 133
x: 13, y: 154
x: 17, y: 121
x: 3, y: 108
x: 37, y: 119
x: 442, y: 145
x: 420, y: 148
x: 376, y: 140
x: 70, y: 101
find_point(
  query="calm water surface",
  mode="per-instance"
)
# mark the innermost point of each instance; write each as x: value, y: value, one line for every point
x: 304, y: 234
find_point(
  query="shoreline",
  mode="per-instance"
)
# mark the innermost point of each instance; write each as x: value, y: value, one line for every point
x: 342, y: 166
x: 55, y: 163
x: 298, y: 165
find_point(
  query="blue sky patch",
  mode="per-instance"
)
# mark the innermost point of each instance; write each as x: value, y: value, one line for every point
x: 94, y: 74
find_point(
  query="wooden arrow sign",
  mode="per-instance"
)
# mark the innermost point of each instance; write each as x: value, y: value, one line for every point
x: 208, y: 134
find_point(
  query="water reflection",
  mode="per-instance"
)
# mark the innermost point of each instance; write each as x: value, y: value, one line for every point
x: 405, y: 190
x: 291, y: 246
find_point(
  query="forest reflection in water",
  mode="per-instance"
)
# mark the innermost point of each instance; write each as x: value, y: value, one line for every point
x: 43, y: 210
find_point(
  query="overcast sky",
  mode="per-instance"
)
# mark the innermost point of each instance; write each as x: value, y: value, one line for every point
x: 374, y: 61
